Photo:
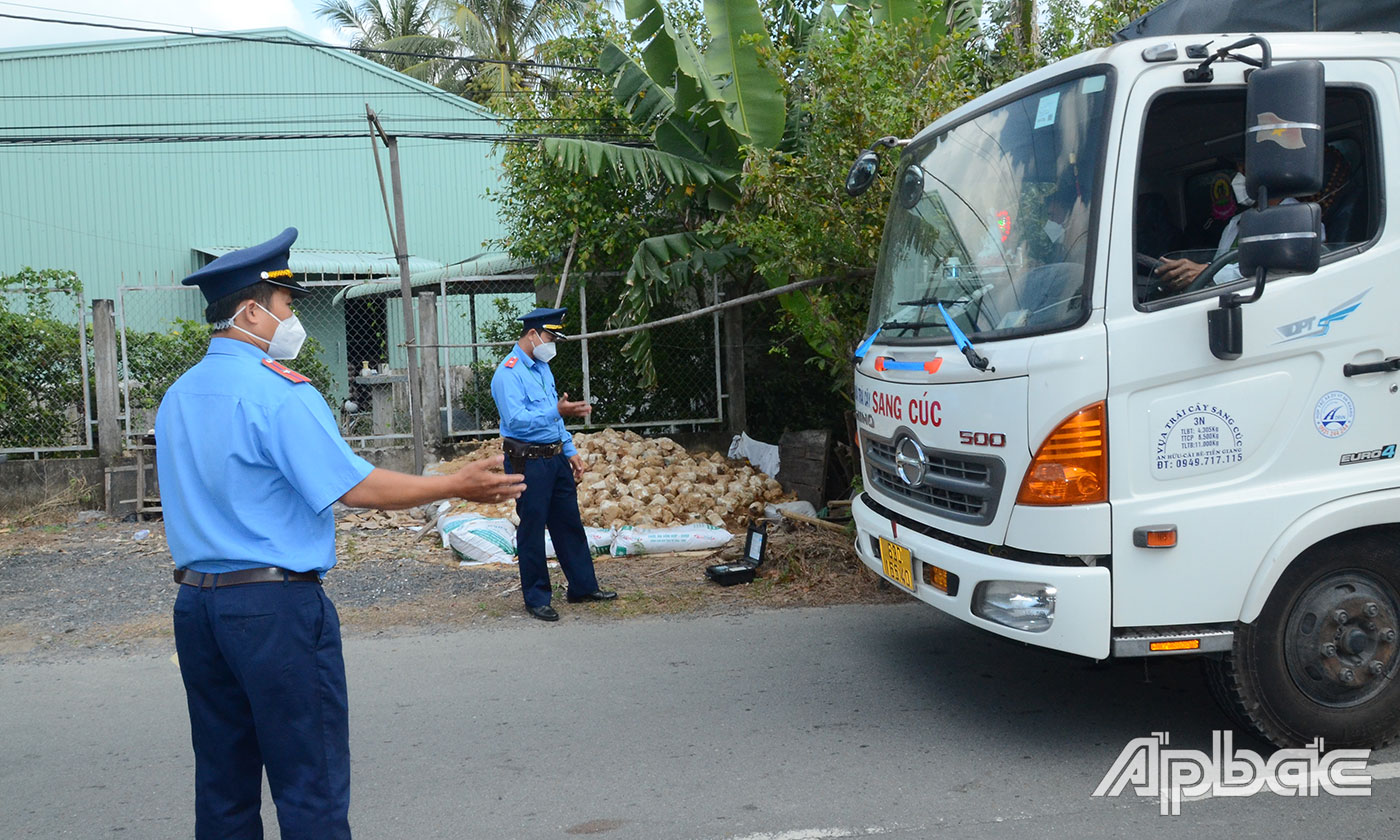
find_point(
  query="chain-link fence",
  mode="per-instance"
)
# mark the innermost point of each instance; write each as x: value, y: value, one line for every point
x: 162, y: 332
x: 685, y: 354
x: 45, y: 392
x: 355, y: 356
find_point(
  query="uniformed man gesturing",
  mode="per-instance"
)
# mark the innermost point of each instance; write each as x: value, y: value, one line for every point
x: 250, y: 462
x: 537, y: 445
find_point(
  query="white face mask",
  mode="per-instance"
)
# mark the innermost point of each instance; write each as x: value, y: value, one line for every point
x: 544, y: 351
x: 286, y: 339
x: 1237, y: 183
x: 1055, y: 231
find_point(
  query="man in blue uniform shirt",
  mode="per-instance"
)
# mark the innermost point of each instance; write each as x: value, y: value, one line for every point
x: 250, y: 462
x: 535, y: 444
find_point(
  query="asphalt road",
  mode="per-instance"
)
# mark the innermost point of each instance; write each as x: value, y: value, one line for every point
x: 776, y: 725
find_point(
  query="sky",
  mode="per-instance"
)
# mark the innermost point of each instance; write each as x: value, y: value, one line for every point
x: 204, y: 15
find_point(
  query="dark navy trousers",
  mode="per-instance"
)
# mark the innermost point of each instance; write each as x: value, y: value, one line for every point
x: 550, y: 501
x: 265, y: 682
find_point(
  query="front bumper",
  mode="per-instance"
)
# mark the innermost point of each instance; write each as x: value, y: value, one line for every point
x: 1083, y: 603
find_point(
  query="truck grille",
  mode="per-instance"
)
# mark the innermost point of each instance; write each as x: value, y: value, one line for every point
x: 955, y: 485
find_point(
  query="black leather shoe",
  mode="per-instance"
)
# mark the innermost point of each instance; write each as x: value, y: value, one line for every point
x: 600, y: 595
x: 544, y: 613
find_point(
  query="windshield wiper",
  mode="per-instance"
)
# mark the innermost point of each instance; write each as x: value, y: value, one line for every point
x: 977, y: 360
x: 909, y: 325
x: 926, y: 301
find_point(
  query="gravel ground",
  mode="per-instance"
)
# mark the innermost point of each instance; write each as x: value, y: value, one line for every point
x: 101, y: 586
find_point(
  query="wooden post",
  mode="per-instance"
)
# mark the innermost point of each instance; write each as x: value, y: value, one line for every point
x: 429, y: 379
x: 415, y: 408
x: 737, y: 410
x: 104, y: 348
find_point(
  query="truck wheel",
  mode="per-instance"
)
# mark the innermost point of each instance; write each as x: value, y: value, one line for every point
x: 1322, y: 658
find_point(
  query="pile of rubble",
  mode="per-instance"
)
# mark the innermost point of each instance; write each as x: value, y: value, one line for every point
x: 649, y: 483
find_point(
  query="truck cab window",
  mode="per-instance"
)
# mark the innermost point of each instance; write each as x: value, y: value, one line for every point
x: 991, y: 218
x: 1190, y: 193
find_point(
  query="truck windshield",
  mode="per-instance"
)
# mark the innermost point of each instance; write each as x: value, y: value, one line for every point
x: 991, y: 218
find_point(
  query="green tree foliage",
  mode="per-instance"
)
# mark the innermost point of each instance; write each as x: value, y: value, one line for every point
x: 508, y: 30
x: 411, y: 26
x: 693, y: 181
x: 505, y: 31
x: 41, y: 358
x: 156, y: 359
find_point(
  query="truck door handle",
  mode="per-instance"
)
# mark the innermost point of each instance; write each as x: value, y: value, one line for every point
x: 1387, y: 366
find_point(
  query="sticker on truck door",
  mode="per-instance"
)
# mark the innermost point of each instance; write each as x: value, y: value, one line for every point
x: 1198, y: 438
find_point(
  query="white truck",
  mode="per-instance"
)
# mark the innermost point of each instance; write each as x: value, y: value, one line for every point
x: 1098, y: 416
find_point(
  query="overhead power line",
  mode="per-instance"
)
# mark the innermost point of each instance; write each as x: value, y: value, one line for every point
x: 74, y: 139
x: 356, y: 94
x: 317, y: 45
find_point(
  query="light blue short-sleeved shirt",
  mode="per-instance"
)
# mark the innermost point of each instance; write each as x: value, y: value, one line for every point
x: 250, y: 461
x: 523, y: 388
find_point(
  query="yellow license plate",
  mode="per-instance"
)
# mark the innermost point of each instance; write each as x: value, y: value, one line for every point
x: 897, y: 564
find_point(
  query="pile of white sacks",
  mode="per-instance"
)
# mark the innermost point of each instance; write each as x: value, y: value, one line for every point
x: 638, y: 496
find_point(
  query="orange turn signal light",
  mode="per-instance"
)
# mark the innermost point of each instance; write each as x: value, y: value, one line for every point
x: 1155, y: 536
x: 1071, y: 467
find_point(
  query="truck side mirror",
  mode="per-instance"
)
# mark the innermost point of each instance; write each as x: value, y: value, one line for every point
x: 1286, y: 237
x: 1283, y: 137
x: 862, y: 173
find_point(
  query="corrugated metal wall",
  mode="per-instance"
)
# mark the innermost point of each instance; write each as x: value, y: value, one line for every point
x: 116, y: 213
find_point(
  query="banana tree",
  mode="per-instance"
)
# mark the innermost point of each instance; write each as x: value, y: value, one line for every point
x: 706, y: 111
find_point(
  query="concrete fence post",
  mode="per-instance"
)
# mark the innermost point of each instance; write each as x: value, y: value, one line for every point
x: 429, y: 377
x: 108, y: 407
x: 737, y: 410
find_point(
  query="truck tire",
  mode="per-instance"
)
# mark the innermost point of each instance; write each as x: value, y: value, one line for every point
x: 1322, y: 660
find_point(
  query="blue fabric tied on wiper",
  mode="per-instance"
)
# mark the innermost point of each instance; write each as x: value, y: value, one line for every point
x: 865, y: 345
x: 977, y: 360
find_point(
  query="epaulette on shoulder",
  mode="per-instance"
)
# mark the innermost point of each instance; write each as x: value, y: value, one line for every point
x: 284, y: 372
x: 510, y: 361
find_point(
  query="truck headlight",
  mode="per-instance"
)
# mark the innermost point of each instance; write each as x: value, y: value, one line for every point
x: 1022, y: 605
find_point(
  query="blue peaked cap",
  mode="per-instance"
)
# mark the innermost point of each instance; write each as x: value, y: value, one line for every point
x: 546, y: 320
x: 237, y: 270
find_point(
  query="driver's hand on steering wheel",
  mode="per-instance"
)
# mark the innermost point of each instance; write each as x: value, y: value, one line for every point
x: 1175, y: 275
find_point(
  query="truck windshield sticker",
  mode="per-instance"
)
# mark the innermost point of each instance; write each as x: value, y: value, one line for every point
x: 1317, y: 325
x: 1334, y: 414
x: 1198, y: 438
x: 1049, y: 105
x: 1092, y: 84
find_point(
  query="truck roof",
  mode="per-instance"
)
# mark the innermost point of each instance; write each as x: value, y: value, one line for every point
x: 1178, y: 17
x: 1127, y: 58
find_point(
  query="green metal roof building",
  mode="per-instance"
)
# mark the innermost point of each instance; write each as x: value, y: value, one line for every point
x: 132, y: 163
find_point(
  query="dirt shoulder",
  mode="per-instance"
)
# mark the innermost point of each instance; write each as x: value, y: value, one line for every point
x: 102, y: 586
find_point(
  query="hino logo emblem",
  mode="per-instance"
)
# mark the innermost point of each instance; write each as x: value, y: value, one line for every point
x: 909, y: 461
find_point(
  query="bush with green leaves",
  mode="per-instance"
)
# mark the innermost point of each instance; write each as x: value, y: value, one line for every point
x: 156, y: 359
x: 41, y: 379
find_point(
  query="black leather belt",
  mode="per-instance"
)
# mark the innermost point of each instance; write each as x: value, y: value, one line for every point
x: 265, y: 574
x: 521, y: 449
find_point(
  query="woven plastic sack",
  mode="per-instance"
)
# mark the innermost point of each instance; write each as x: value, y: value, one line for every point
x: 599, y: 542
x: 476, y: 539
x: 630, y: 541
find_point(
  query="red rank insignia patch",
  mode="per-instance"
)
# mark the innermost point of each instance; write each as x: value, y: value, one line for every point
x: 284, y: 371
x: 510, y: 363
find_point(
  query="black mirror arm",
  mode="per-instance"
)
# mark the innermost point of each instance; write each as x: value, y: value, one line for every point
x: 1233, y: 301
x: 1203, y: 73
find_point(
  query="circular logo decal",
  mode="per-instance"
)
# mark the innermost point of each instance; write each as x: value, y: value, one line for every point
x: 909, y: 461
x: 1334, y: 414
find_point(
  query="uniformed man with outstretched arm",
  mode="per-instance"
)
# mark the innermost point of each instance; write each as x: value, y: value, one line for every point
x: 250, y: 462
x: 536, y: 444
